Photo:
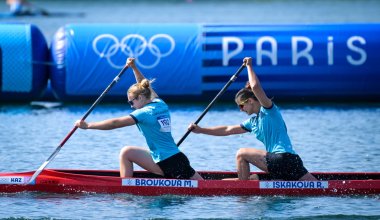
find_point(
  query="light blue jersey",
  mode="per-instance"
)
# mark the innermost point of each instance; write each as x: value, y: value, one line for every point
x: 153, y: 121
x: 269, y: 128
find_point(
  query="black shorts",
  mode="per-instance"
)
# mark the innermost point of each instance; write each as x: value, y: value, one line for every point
x: 285, y: 166
x: 177, y: 167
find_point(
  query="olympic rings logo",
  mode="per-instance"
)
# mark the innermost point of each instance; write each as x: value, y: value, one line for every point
x: 133, y: 45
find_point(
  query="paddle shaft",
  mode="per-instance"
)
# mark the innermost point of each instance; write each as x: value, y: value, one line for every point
x: 221, y: 92
x: 52, y: 156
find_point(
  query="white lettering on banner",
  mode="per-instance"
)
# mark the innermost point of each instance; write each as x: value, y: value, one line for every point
x: 360, y: 54
x: 13, y: 180
x: 160, y: 182
x: 294, y: 184
x: 330, y: 51
x: 271, y: 54
x: 303, y: 53
x: 226, y: 41
x: 351, y: 46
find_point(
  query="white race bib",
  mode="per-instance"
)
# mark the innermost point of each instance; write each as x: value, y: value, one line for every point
x: 164, y: 123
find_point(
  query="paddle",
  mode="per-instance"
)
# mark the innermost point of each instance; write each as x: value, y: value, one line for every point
x: 114, y: 81
x: 232, y: 79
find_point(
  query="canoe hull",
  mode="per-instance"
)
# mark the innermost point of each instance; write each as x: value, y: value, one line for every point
x: 143, y: 183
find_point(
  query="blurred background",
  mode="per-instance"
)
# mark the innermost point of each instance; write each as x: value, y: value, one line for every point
x: 62, y: 12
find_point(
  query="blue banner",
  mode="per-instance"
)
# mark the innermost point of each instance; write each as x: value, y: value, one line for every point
x: 292, y: 61
x: 89, y: 57
x: 296, y: 60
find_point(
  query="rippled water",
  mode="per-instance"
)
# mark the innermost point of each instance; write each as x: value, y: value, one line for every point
x: 343, y: 138
x: 328, y: 137
x: 121, y: 206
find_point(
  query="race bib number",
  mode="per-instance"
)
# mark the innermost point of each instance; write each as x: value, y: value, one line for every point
x: 164, y: 123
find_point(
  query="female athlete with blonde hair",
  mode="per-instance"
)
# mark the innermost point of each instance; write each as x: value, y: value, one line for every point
x: 151, y: 115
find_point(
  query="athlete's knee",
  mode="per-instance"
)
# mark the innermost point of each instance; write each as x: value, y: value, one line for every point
x: 125, y: 151
x: 241, y: 153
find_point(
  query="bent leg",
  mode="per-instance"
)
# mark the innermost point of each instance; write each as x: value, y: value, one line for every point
x: 140, y: 156
x: 245, y: 156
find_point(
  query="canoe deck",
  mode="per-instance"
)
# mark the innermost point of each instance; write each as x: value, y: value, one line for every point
x: 144, y: 183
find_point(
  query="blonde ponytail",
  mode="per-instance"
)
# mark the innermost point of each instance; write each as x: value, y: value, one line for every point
x: 142, y: 88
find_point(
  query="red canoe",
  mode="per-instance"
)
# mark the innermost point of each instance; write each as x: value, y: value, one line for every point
x: 143, y: 183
